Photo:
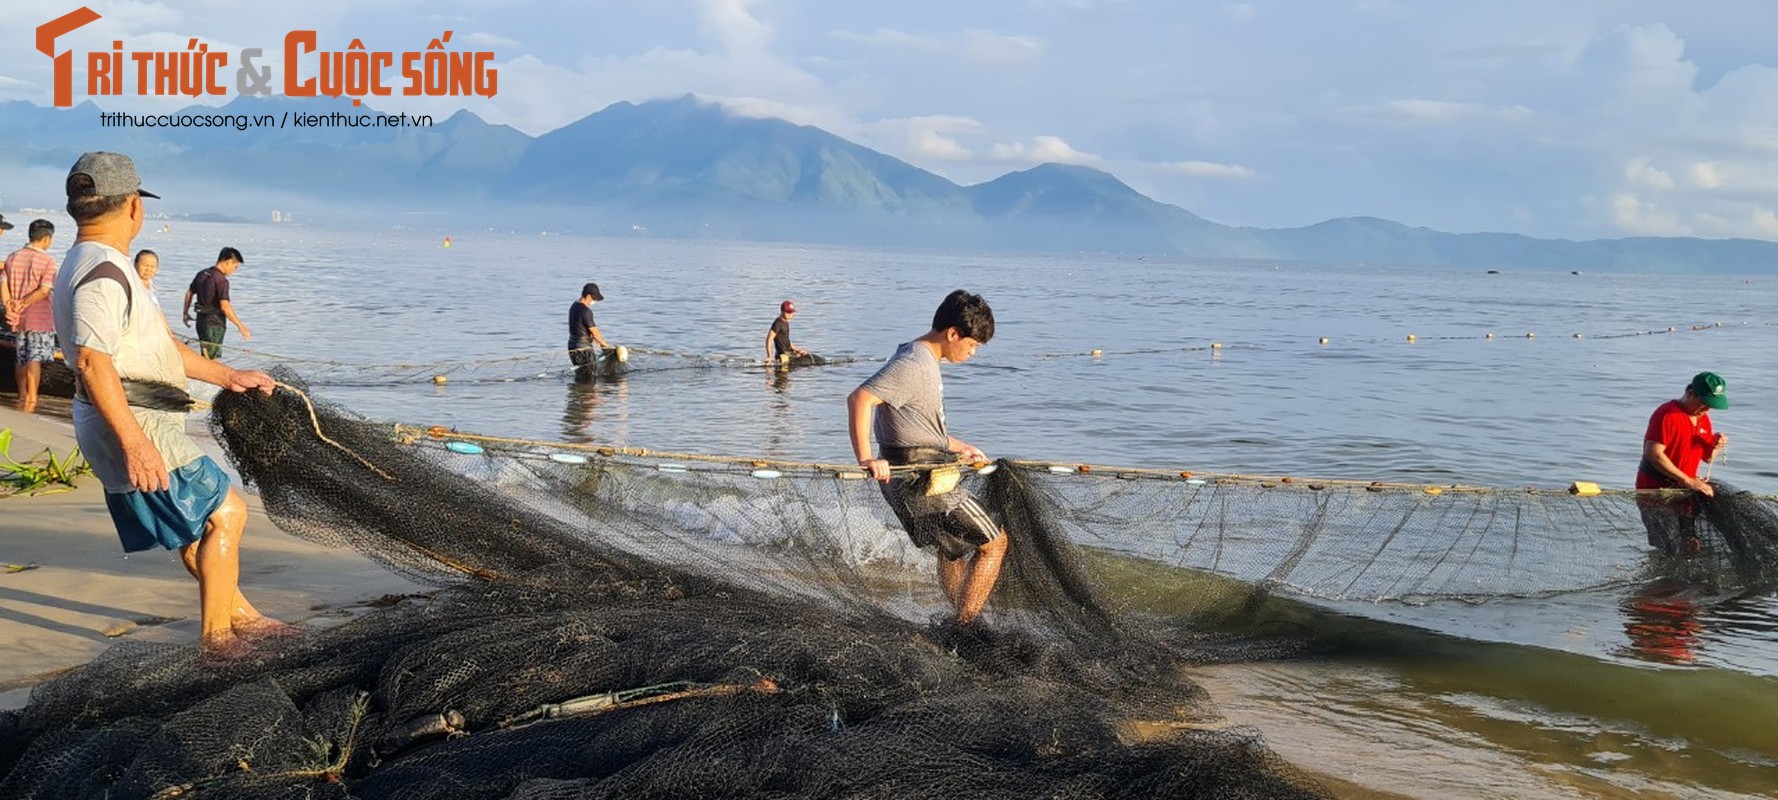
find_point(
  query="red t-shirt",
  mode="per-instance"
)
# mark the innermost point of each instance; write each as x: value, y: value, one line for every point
x: 1686, y: 444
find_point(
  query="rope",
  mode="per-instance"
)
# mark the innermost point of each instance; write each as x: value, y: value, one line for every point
x: 315, y: 422
x: 412, y: 434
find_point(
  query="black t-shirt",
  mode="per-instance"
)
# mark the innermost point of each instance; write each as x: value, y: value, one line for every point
x: 209, y: 288
x: 580, y: 317
x: 780, y: 337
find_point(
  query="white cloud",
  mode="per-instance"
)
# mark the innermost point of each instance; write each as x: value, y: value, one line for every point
x: 1639, y: 172
x: 989, y: 46
x: 885, y: 37
x: 731, y: 23
x: 976, y: 45
x: 927, y: 138
x: 1430, y: 112
x: 1705, y: 175
x: 1041, y: 149
x: 1765, y: 223
x: 491, y: 42
x: 1634, y: 216
x: 1240, y: 12
x: 1209, y: 169
x: 763, y: 108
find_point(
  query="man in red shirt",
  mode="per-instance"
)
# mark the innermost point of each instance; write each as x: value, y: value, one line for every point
x: 1679, y: 437
x: 30, y: 274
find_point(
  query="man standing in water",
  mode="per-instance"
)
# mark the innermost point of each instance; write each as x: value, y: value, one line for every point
x: 210, y: 289
x: 584, y: 336
x: 1679, y: 437
x: 161, y: 491
x: 904, y: 405
x: 778, y: 346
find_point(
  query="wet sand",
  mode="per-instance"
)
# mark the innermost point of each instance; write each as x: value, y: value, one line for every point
x: 83, y: 594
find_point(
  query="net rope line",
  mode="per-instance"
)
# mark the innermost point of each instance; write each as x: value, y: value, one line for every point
x: 414, y: 435
x: 718, y: 359
x: 722, y: 359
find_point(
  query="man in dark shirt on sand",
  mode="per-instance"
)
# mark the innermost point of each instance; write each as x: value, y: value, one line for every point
x: 778, y: 346
x: 1678, y: 438
x: 583, y: 334
x: 904, y: 405
x: 215, y: 311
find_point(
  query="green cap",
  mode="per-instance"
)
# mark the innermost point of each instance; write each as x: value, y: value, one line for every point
x: 1710, y: 388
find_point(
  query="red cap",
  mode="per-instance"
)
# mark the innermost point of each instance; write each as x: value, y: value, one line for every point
x: 787, y: 307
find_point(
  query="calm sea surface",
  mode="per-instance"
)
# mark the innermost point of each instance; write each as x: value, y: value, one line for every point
x: 1522, y: 698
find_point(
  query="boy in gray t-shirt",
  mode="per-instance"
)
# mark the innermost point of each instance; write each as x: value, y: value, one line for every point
x: 904, y: 405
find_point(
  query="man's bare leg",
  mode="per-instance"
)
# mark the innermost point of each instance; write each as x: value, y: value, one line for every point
x: 952, y: 576
x: 216, y: 562
x: 29, y: 376
x: 983, y: 572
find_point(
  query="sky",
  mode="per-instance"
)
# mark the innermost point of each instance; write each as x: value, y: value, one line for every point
x: 1570, y: 119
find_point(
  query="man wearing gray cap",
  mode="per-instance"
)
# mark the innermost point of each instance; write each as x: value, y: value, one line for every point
x: 161, y: 491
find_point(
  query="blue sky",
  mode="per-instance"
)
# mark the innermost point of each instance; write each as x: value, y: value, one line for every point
x: 1581, y: 118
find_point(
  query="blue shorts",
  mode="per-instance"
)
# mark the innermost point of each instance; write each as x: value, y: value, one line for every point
x: 36, y: 346
x: 174, y: 518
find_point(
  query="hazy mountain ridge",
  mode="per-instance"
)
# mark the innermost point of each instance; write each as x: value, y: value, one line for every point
x: 691, y: 168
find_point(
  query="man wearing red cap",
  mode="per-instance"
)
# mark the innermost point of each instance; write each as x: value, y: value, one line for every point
x: 778, y: 346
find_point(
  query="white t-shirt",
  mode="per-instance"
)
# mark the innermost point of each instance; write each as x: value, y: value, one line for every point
x: 115, y: 314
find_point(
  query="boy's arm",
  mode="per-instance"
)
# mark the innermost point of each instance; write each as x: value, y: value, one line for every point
x: 228, y: 310
x: 186, y: 314
x: 769, y: 332
x: 861, y: 407
x: 969, y: 451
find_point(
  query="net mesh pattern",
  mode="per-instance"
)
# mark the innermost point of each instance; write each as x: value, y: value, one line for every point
x: 609, y: 624
x: 629, y: 627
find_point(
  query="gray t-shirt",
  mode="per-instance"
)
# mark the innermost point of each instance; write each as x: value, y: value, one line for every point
x: 913, y: 395
x: 118, y: 316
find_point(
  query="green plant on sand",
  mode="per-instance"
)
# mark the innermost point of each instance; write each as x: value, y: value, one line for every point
x: 43, y: 473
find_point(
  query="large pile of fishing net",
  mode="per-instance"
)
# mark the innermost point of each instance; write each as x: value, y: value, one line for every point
x: 611, y: 626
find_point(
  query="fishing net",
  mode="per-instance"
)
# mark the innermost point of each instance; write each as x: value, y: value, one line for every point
x: 616, y: 622
x: 619, y: 625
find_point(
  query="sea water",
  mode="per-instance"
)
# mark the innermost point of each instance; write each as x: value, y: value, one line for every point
x: 1435, y: 375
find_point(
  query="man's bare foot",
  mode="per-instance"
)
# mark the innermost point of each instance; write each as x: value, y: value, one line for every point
x: 223, y: 649
x: 260, y: 629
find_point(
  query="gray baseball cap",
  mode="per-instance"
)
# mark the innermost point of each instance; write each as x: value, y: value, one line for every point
x: 112, y: 174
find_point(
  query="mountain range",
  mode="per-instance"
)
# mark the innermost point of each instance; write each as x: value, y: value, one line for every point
x: 686, y: 167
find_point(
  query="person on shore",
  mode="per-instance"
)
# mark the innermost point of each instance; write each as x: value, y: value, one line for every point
x: 148, y: 264
x: 30, y: 276
x: 5, y: 318
x: 778, y: 346
x: 214, y: 311
x: 903, y: 405
x: 1678, y: 439
x: 160, y: 489
x: 585, y: 343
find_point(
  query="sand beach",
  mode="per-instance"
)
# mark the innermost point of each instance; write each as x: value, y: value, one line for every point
x: 81, y: 594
